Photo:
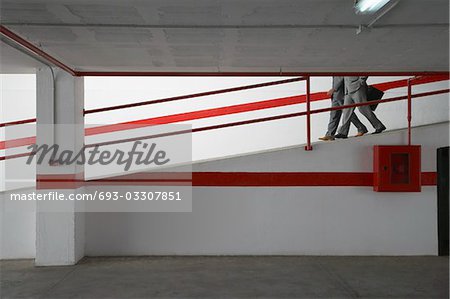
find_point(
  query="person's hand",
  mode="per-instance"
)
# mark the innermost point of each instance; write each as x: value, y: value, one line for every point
x: 330, y: 92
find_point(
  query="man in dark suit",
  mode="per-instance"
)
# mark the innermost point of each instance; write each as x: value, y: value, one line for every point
x: 337, y: 99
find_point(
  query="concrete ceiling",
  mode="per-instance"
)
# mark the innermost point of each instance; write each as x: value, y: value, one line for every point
x: 233, y: 35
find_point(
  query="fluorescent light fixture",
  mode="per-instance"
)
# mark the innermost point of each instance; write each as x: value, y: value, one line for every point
x: 369, y: 6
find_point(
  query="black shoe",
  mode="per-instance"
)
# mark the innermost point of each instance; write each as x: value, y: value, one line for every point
x: 378, y: 131
x: 340, y: 136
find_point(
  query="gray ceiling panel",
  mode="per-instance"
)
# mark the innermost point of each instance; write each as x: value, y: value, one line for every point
x: 244, y: 35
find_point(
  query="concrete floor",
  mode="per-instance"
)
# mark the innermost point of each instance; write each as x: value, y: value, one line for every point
x: 230, y: 277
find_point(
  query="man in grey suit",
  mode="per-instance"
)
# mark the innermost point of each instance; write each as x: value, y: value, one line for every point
x: 356, y: 92
x: 337, y: 99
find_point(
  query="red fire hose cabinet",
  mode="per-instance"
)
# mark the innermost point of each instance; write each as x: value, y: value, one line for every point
x: 396, y: 168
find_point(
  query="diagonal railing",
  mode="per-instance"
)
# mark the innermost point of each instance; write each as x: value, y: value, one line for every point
x: 306, y: 98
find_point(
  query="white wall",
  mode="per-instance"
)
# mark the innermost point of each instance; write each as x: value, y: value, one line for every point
x: 17, y: 229
x: 288, y: 220
x: 245, y: 215
x: 17, y: 102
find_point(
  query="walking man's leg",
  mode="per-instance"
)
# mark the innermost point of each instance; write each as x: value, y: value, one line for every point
x: 358, y: 124
x: 346, y: 118
x: 335, y: 117
x: 361, y: 97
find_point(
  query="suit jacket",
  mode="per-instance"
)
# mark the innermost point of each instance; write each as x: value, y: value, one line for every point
x: 338, y: 86
x: 353, y: 84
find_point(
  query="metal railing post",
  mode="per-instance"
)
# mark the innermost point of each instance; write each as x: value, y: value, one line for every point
x: 409, y: 117
x: 308, y: 146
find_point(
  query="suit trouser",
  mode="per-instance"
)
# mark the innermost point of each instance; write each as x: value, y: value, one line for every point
x: 335, y: 117
x: 359, y: 96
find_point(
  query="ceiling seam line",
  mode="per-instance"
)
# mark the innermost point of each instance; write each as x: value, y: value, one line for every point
x: 168, y: 26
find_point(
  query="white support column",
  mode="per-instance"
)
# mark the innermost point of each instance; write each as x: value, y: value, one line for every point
x: 60, y: 236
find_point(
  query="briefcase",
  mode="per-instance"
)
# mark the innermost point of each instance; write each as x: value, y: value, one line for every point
x: 374, y: 94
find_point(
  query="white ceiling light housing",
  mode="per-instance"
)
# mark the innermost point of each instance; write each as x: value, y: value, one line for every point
x: 369, y: 6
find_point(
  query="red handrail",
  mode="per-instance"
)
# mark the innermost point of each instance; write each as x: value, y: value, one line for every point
x: 18, y: 122
x: 383, y: 86
x: 270, y: 118
x: 258, y: 120
x: 30, y: 140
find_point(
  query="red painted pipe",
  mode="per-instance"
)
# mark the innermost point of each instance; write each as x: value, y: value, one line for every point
x: 15, y: 156
x: 30, y: 47
x: 256, y: 74
x: 27, y: 45
x: 18, y: 122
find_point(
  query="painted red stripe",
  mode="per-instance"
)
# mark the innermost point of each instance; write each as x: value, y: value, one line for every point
x: 429, y: 178
x: 216, y: 112
x: 60, y: 181
x: 258, y: 120
x: 66, y: 177
x: 74, y: 181
x: 17, y: 142
x: 252, y: 121
x: 281, y: 179
x: 228, y: 179
x: 201, y: 114
x: 293, y: 179
x: 75, y: 184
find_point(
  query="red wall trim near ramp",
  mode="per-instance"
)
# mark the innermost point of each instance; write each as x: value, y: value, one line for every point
x: 293, y: 179
x: 226, y: 179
